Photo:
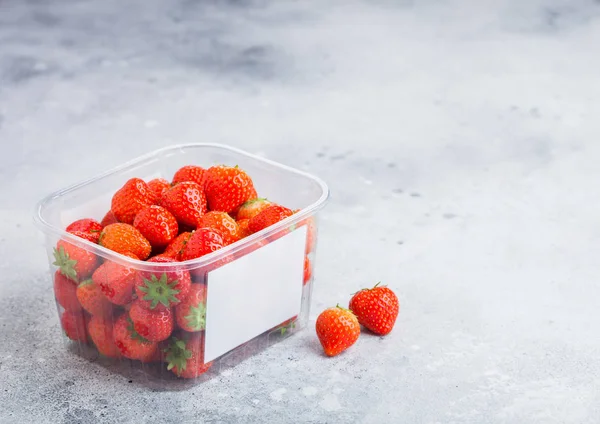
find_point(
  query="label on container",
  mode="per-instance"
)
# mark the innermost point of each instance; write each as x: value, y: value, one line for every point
x: 254, y: 293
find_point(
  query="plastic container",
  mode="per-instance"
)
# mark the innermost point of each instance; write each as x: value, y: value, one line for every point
x: 257, y: 291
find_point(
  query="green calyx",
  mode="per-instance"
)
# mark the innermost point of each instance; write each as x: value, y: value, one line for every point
x: 196, y: 319
x: 134, y: 334
x: 290, y: 326
x: 257, y: 200
x: 374, y: 287
x: 177, y: 355
x: 65, y: 263
x: 86, y: 282
x: 159, y: 290
x: 343, y: 309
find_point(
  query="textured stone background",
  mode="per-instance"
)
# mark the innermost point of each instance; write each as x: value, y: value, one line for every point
x: 460, y: 143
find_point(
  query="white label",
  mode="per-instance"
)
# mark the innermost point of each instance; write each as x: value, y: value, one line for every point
x: 254, y: 293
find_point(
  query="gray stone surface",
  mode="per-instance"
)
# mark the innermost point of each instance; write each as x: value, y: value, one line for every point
x: 460, y: 142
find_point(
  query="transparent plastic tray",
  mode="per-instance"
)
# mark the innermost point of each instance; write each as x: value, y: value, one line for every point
x: 258, y: 290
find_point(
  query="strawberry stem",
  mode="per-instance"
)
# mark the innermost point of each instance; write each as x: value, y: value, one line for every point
x: 343, y: 309
x: 159, y: 290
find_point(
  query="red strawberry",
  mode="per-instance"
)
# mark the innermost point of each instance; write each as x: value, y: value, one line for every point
x: 65, y: 291
x: 130, y: 199
x: 311, y: 234
x: 337, y: 329
x: 175, y: 249
x: 221, y: 223
x: 116, y: 281
x: 125, y: 238
x: 251, y: 208
x: 108, y: 219
x: 269, y: 216
x: 73, y: 323
x: 92, y: 300
x: 162, y: 290
x: 157, y: 225
x: 202, y: 242
x: 74, y: 262
x: 101, y: 332
x: 307, y: 270
x: 86, y: 228
x: 186, y: 201
x: 192, y: 173
x: 87, y: 236
x: 130, y: 343
x: 186, y: 357
x: 227, y: 188
x: 159, y: 186
x: 376, y: 309
x: 191, y: 313
x: 243, y: 229
x: 158, y: 355
x: 154, y: 325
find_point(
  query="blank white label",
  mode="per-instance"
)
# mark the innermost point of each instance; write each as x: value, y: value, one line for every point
x: 254, y: 293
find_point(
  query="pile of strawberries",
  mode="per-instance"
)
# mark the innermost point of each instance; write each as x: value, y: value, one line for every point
x: 375, y: 309
x: 158, y: 316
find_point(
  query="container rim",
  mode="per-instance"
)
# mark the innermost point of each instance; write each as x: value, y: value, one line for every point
x: 209, y: 259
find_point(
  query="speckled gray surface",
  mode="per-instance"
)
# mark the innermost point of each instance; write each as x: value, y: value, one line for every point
x: 460, y: 142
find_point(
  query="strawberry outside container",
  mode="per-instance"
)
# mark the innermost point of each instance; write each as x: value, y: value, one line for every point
x: 255, y: 292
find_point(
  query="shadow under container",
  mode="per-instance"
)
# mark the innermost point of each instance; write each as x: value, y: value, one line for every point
x: 256, y: 291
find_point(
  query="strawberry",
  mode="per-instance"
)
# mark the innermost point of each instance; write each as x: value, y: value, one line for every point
x: 154, y: 325
x: 86, y: 228
x: 227, y: 188
x: 158, y: 355
x: 186, y: 201
x: 251, y: 208
x: 337, y: 329
x: 376, y: 309
x: 87, y: 236
x: 92, y: 300
x: 307, y: 270
x: 185, y: 357
x: 311, y: 234
x: 101, y: 332
x: 65, y: 292
x: 192, y: 173
x: 74, y: 262
x: 116, y: 281
x: 221, y: 223
x: 243, y: 229
x: 158, y: 186
x: 108, y: 219
x: 202, y: 242
x: 130, y: 199
x: 269, y: 216
x: 162, y: 290
x: 73, y: 324
x: 191, y: 313
x: 175, y: 249
x: 129, y: 342
x: 125, y: 238
x: 157, y: 225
